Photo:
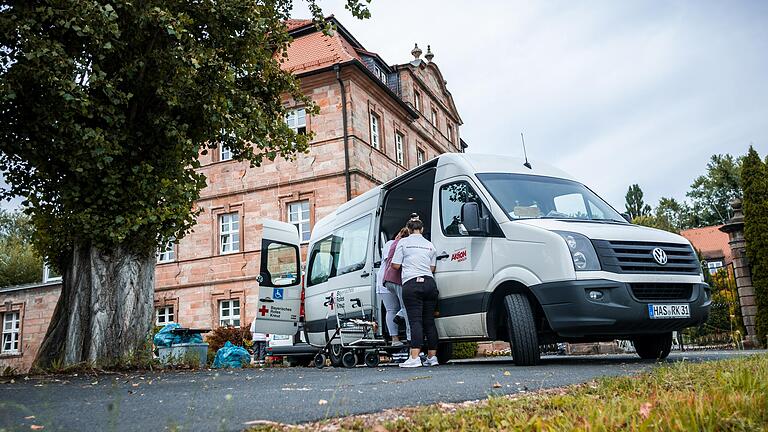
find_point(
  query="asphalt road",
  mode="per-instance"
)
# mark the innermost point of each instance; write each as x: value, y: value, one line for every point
x: 226, y: 400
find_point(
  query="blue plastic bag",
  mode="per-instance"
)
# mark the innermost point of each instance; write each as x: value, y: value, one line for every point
x: 164, y: 338
x: 231, y: 356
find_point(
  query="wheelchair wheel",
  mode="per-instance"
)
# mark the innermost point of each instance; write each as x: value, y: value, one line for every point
x: 349, y: 360
x: 372, y: 358
x: 319, y: 361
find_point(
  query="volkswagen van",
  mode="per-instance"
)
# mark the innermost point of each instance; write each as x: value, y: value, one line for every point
x: 526, y: 254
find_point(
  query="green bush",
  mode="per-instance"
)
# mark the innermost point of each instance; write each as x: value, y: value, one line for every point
x: 464, y: 350
x: 753, y: 175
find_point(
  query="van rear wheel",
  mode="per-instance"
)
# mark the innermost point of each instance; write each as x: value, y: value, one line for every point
x: 444, y: 352
x: 653, y: 347
x: 522, y: 330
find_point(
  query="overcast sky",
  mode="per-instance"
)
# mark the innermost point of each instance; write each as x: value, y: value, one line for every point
x: 613, y: 92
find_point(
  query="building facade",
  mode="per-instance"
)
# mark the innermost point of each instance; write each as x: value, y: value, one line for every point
x: 376, y: 121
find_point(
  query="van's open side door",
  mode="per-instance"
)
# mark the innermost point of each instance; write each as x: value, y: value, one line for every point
x: 279, y: 280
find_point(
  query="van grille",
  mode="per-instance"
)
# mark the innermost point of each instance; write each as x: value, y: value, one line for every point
x: 661, y: 291
x: 637, y: 257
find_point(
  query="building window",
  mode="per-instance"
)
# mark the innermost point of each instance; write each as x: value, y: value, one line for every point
x: 224, y: 153
x: 50, y: 275
x: 229, y: 313
x: 229, y: 233
x: 167, y: 252
x: 297, y: 120
x: 417, y: 100
x: 380, y: 74
x: 434, y: 117
x: 420, y: 156
x: 450, y: 133
x: 11, y: 325
x: 164, y: 315
x: 298, y: 215
x: 714, y: 266
x: 399, y: 148
x: 375, y: 138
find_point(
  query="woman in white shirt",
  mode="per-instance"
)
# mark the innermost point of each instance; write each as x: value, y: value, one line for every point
x: 417, y: 257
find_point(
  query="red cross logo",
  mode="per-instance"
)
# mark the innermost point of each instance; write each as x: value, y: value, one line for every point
x: 263, y: 310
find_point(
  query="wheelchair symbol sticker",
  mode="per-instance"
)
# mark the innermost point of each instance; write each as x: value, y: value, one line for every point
x: 277, y: 293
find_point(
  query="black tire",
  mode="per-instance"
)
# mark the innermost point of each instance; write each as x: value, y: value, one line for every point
x: 349, y: 359
x: 319, y: 361
x: 521, y: 326
x: 335, y: 352
x: 653, y: 347
x: 372, y: 359
x: 444, y: 352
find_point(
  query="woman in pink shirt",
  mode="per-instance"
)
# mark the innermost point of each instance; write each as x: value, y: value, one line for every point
x: 392, y: 281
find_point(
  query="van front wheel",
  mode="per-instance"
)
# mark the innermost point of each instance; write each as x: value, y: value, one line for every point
x: 521, y: 326
x: 653, y: 347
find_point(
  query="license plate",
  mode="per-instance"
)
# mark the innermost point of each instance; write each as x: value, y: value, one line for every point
x: 664, y: 311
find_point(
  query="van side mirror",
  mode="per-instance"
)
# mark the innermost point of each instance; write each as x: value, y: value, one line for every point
x: 627, y: 217
x: 471, y: 221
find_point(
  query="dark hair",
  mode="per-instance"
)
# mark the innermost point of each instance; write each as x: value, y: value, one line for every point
x: 415, y: 225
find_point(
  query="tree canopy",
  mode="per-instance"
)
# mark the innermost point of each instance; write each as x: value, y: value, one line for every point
x: 107, y: 106
x: 711, y: 193
x: 634, y: 202
x: 19, y: 263
x: 754, y: 174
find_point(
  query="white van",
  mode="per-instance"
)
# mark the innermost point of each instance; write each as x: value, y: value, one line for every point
x: 526, y: 255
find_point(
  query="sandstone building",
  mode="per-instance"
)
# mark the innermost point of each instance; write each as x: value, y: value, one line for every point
x: 376, y: 121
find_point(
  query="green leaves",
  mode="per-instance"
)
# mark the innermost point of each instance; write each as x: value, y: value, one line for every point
x: 107, y: 107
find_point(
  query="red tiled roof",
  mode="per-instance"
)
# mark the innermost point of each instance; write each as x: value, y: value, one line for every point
x: 710, y: 241
x: 293, y: 24
x: 317, y: 50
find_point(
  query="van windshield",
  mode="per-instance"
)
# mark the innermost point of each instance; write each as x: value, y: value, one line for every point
x: 535, y: 197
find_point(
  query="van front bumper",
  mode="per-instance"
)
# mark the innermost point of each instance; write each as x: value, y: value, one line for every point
x: 619, y: 313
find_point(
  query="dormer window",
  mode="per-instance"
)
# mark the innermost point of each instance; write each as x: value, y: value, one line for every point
x: 450, y: 133
x: 434, y: 117
x: 380, y: 74
x: 417, y: 100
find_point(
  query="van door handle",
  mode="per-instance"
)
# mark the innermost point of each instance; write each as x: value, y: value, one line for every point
x: 443, y: 256
x: 364, y: 274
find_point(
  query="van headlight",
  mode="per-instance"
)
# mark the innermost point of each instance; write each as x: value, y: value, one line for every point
x: 582, y: 251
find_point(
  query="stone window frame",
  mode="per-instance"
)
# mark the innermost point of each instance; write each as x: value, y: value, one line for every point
x: 228, y: 294
x: 306, y: 118
x: 286, y: 200
x: 10, y: 307
x: 420, y: 152
x: 215, y: 213
x: 372, y: 114
x: 164, y: 302
x: 174, y: 249
x: 417, y: 100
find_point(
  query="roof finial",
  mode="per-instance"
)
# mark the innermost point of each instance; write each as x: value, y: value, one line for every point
x: 429, y: 56
x: 416, y: 51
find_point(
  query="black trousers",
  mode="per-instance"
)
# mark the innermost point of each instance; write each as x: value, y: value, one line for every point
x: 420, y: 300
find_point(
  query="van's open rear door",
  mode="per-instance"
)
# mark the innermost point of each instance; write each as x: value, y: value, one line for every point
x: 279, y: 280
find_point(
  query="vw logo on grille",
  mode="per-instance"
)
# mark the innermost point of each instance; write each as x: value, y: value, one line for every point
x: 659, y: 256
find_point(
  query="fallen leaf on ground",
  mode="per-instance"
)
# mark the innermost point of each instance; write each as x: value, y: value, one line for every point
x: 496, y: 385
x: 37, y: 427
x: 322, y: 402
x: 29, y: 417
x: 135, y: 384
x: 506, y: 373
x: 645, y: 409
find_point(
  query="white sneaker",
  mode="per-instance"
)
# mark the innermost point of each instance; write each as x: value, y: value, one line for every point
x: 396, y: 344
x: 431, y: 361
x: 411, y: 363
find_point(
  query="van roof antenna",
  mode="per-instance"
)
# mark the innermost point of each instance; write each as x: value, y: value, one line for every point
x: 526, y: 164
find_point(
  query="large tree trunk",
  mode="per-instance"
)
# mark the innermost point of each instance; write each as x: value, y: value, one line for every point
x: 105, y: 309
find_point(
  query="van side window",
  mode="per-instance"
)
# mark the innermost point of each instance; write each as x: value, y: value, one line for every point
x: 353, y: 245
x: 321, y: 260
x: 452, y: 197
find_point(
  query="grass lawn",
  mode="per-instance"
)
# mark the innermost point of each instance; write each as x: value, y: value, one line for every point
x: 727, y: 395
